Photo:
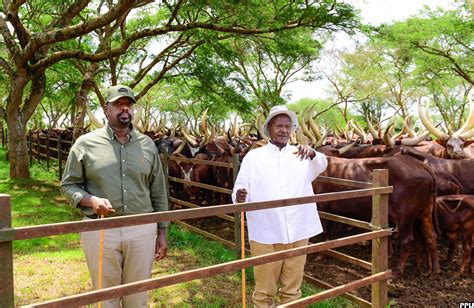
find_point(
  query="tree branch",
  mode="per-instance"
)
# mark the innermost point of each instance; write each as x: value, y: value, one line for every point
x: 9, y: 40
x: 12, y: 16
x: 6, y: 67
x: 59, y: 35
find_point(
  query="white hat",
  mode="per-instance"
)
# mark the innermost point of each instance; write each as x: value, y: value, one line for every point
x: 277, y: 110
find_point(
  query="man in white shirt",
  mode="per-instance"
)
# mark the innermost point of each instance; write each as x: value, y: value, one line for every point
x: 278, y: 171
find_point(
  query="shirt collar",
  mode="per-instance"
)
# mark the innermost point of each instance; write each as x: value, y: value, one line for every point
x: 274, y: 148
x: 132, y: 135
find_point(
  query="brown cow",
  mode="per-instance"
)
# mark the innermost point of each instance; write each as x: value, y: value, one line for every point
x: 220, y: 150
x: 456, y: 219
x: 412, y: 199
x: 459, y: 168
x: 201, y: 173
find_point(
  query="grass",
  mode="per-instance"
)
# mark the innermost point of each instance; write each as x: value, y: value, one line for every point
x: 53, y: 267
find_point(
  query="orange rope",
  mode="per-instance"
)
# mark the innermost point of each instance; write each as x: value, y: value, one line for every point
x: 101, y: 261
x: 242, y: 241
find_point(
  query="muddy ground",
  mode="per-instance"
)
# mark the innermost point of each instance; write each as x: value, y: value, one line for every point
x: 416, y: 288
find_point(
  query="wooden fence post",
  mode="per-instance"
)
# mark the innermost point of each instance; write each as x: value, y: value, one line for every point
x: 166, y: 172
x: 47, y: 152
x: 6, y: 255
x: 60, y: 157
x: 237, y: 237
x: 30, y: 147
x: 380, y: 245
x: 38, y: 149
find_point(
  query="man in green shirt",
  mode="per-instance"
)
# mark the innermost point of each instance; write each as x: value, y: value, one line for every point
x: 115, y: 171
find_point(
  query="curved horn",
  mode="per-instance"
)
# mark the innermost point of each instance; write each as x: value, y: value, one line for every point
x: 312, y: 125
x: 180, y: 148
x: 189, y: 138
x: 209, y: 137
x: 468, y: 123
x: 94, y: 121
x: 138, y: 116
x: 162, y: 123
x: 219, y: 148
x: 414, y: 140
x: 359, y: 131
x: 346, y: 148
x: 408, y: 129
x: 173, y: 130
x: 428, y: 124
x: 293, y: 138
x: 306, y: 132
x: 248, y: 127
x: 300, y: 137
x: 259, y: 125
x: 390, y: 142
x: 203, y: 126
x: 467, y: 135
x: 371, y: 128
x: 321, y: 140
x: 236, y: 128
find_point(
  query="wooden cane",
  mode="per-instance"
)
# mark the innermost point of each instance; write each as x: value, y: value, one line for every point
x: 101, y: 261
x: 242, y: 244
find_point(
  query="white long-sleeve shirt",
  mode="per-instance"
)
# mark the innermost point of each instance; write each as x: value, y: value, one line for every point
x: 269, y: 173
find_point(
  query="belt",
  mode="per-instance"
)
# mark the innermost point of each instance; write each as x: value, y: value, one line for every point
x: 93, y: 216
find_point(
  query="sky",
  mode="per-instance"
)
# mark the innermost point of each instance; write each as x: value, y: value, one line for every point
x: 374, y: 12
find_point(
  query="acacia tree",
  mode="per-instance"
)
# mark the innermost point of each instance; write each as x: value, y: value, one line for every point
x: 443, y: 38
x: 438, y: 45
x: 429, y: 54
x: 35, y: 41
x: 250, y: 72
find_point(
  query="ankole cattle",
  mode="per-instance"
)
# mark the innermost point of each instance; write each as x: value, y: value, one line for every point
x: 412, y: 200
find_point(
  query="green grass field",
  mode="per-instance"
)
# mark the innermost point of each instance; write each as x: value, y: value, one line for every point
x: 53, y: 267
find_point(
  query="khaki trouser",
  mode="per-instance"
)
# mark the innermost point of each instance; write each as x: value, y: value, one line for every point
x: 129, y: 253
x: 288, y: 272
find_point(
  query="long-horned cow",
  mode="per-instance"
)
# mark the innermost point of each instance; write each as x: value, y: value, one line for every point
x: 412, y: 200
x: 454, y: 143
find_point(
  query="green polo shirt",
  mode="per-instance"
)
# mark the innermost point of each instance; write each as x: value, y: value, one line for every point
x: 129, y: 175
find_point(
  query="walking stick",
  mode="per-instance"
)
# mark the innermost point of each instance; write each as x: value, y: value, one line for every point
x: 242, y: 243
x: 101, y: 261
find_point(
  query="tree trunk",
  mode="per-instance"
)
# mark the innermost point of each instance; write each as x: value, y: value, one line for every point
x: 19, y: 111
x: 17, y: 149
x: 81, y: 101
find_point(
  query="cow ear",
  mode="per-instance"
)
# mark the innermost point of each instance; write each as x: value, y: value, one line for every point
x: 441, y: 142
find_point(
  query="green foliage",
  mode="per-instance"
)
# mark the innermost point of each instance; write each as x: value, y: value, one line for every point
x: 59, y: 99
x: 426, y: 55
x: 439, y: 40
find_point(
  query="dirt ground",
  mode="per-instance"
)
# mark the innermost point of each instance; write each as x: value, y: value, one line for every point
x: 415, y: 288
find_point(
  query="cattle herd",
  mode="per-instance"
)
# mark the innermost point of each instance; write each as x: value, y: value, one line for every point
x: 433, y: 188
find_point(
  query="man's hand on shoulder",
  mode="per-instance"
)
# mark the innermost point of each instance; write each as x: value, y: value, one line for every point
x: 305, y: 152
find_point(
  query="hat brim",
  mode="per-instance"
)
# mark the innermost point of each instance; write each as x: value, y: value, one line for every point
x: 291, y: 114
x: 120, y: 96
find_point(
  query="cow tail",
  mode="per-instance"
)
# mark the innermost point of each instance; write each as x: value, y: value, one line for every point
x: 435, y: 216
x: 434, y: 188
x: 435, y: 208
